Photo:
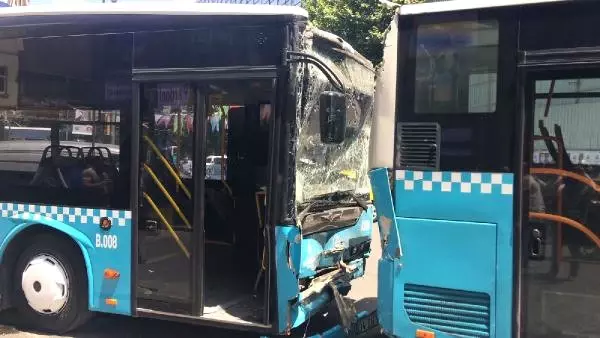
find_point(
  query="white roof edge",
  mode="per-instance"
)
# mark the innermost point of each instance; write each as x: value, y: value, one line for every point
x: 344, y: 44
x: 337, y: 38
x: 152, y: 8
x: 457, y: 5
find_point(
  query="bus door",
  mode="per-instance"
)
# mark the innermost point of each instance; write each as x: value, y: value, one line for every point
x: 168, y: 222
x: 560, y: 293
x: 203, y: 161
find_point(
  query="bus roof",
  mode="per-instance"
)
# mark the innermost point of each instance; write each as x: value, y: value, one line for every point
x: 152, y: 8
x: 458, y: 5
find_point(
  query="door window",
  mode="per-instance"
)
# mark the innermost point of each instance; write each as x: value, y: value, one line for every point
x: 166, y: 196
x: 561, y: 238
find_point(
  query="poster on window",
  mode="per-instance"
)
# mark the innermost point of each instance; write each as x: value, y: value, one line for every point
x: 172, y: 94
x: 83, y: 129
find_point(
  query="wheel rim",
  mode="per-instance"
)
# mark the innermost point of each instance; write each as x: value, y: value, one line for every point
x: 45, y: 284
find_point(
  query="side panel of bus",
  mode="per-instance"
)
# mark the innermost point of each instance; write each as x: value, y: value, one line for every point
x: 450, y: 265
x: 101, y: 249
x: 445, y: 202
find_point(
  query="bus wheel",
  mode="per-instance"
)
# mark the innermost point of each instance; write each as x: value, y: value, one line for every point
x: 50, y: 285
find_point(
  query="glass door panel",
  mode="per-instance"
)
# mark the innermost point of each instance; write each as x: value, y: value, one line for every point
x: 561, y: 245
x: 166, y: 218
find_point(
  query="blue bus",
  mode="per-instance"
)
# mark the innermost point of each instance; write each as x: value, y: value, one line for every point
x: 484, y: 168
x: 113, y: 210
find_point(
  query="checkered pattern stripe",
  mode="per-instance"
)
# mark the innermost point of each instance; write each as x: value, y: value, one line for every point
x: 69, y: 215
x: 466, y: 183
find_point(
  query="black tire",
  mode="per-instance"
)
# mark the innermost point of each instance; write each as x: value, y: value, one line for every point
x: 75, y: 312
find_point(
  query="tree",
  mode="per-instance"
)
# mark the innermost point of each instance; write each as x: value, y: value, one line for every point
x: 361, y: 23
x: 18, y: 2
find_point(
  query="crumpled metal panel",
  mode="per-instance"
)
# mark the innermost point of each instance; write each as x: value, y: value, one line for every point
x: 287, y: 265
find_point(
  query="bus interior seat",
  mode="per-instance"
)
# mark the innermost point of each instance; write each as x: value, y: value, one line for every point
x: 58, y: 167
x: 102, y: 161
x: 58, y: 177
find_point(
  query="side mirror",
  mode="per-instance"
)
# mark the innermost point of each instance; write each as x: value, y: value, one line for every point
x: 332, y: 112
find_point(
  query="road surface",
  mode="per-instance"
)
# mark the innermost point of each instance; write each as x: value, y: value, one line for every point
x: 364, y: 293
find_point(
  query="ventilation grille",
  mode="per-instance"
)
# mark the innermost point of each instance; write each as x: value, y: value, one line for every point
x: 418, y: 146
x: 460, y: 313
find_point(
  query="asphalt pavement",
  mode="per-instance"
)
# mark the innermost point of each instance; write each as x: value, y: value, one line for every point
x: 363, y: 293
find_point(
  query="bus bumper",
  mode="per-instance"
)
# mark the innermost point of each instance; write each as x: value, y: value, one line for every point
x: 328, y: 289
x: 329, y: 314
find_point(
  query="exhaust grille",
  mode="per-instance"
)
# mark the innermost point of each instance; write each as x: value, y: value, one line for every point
x: 456, y: 312
x: 418, y: 146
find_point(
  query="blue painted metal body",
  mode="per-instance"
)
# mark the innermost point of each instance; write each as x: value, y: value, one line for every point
x: 83, y: 226
x: 446, y: 263
x: 295, y: 256
x: 298, y: 257
x: 312, y: 250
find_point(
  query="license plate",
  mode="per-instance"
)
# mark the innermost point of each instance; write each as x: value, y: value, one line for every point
x: 364, y: 325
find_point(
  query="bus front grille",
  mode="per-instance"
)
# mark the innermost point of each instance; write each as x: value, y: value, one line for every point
x: 456, y: 312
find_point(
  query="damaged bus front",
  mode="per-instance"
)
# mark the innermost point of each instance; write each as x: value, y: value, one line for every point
x: 333, y: 89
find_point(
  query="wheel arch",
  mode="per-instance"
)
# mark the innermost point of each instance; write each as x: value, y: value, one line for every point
x: 14, y: 241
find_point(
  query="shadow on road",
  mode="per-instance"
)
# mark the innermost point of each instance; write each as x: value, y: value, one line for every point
x: 123, y: 327
x: 330, y: 318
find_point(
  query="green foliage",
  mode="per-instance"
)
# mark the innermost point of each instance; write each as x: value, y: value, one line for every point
x: 361, y: 23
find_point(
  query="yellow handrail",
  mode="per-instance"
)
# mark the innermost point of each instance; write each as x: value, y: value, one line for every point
x: 169, y: 227
x: 168, y: 165
x: 167, y: 195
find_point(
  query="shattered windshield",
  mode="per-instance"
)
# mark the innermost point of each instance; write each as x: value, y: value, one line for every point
x: 329, y: 168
